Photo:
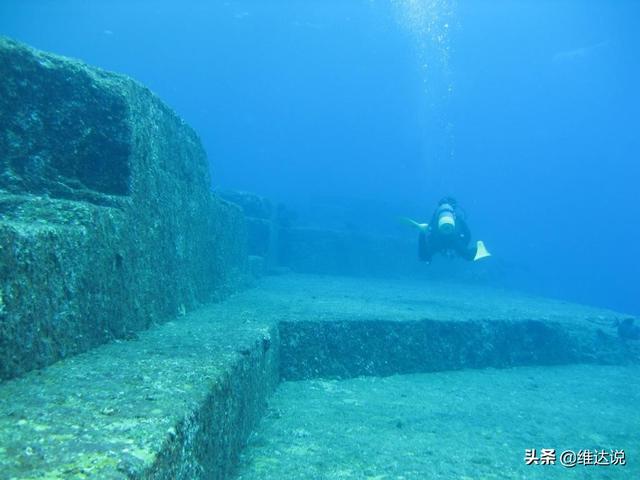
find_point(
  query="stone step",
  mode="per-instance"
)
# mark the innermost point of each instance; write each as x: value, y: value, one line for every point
x: 346, y: 328
x: 467, y: 424
x: 107, y: 221
x: 179, y: 401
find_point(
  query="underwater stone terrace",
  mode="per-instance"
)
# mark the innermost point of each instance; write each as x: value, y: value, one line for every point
x: 109, y: 227
x: 108, y: 224
x: 181, y: 400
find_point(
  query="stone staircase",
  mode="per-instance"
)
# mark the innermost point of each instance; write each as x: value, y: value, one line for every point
x: 180, y: 400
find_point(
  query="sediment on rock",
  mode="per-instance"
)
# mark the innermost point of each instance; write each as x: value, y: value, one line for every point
x: 347, y: 349
x: 108, y: 222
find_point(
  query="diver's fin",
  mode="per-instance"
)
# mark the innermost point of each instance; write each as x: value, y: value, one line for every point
x: 420, y: 226
x: 481, y: 251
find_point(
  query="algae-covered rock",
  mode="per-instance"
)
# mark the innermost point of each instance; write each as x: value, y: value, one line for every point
x: 108, y: 222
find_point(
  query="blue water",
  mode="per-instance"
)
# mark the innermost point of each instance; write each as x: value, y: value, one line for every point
x: 526, y: 111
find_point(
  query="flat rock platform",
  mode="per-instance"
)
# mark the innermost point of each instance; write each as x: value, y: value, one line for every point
x: 467, y: 424
x: 181, y: 399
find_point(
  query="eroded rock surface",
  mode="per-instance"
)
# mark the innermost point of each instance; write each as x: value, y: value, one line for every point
x: 108, y: 223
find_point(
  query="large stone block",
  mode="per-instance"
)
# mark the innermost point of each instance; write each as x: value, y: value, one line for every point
x: 108, y: 222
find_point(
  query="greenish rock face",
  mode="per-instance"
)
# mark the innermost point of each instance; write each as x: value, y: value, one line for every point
x: 61, y: 131
x: 107, y: 224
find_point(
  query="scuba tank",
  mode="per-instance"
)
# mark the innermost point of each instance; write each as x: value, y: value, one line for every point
x: 446, y: 219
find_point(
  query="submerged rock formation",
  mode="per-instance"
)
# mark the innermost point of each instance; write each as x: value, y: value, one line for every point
x: 108, y: 222
x: 265, y: 221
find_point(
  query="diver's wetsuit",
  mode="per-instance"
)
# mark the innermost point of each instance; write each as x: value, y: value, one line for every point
x: 433, y: 241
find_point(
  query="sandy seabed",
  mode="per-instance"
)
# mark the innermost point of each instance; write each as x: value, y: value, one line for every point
x: 468, y: 424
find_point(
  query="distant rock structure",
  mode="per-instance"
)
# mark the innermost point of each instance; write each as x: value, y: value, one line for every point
x: 107, y: 224
x: 344, y: 252
x: 264, y: 221
x: 276, y: 244
x: 279, y: 243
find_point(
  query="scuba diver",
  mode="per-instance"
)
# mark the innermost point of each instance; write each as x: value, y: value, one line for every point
x: 447, y: 233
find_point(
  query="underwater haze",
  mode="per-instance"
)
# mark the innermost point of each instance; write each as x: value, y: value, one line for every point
x: 358, y: 112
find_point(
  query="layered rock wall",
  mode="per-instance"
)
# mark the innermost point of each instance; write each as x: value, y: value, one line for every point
x: 108, y: 222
